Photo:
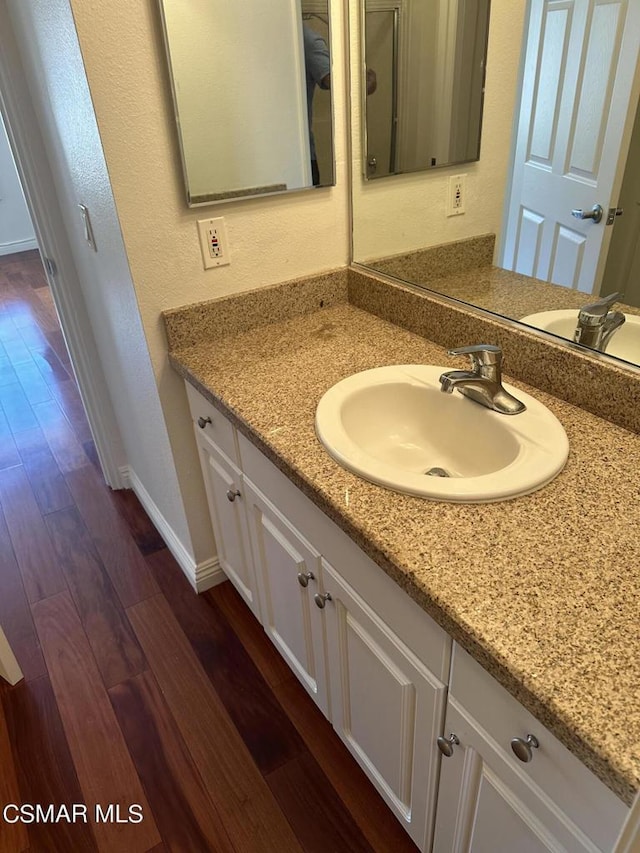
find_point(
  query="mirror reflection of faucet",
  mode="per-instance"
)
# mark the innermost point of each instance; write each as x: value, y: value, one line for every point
x: 597, y: 323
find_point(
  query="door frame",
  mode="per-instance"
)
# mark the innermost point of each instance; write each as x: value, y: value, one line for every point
x: 38, y: 186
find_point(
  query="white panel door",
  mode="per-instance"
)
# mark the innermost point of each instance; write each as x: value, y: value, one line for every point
x: 9, y: 668
x: 223, y: 485
x: 287, y: 570
x: 387, y: 706
x: 578, y: 101
x: 485, y: 805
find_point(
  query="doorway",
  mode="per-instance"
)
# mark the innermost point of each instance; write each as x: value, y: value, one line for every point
x: 39, y: 189
x: 41, y: 411
x: 622, y: 270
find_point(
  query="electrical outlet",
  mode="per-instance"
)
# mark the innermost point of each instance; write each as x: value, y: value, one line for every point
x: 213, y: 242
x: 457, y: 195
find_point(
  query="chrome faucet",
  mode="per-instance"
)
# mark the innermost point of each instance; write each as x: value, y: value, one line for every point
x: 483, y: 383
x: 596, y: 323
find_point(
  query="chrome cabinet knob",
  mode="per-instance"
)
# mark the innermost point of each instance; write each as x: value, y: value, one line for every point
x: 523, y: 748
x: 595, y: 213
x: 202, y: 422
x: 321, y: 600
x: 232, y: 494
x: 446, y: 744
x: 305, y: 577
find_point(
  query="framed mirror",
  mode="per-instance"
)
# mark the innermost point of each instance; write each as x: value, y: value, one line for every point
x: 251, y: 87
x: 425, y: 68
x: 561, y: 134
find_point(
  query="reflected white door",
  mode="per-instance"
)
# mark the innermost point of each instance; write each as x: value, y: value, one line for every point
x: 579, y: 96
x: 9, y: 668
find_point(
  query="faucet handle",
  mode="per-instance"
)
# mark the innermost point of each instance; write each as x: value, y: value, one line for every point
x: 594, y: 313
x: 482, y: 355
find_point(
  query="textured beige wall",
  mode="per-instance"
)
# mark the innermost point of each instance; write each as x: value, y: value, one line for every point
x: 270, y: 239
x: 407, y: 212
x: 45, y: 33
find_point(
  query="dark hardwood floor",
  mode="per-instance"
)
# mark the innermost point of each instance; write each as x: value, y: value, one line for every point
x: 137, y: 692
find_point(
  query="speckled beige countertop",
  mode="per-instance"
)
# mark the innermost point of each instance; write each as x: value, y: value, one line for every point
x: 463, y: 270
x: 543, y: 590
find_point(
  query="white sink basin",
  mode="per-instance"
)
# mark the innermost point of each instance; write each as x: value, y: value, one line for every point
x: 625, y: 342
x: 392, y: 425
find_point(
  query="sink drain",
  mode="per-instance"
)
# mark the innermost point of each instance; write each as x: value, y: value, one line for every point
x: 437, y: 472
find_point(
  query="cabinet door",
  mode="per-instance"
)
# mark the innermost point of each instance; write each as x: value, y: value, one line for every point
x: 287, y: 570
x: 387, y: 706
x: 223, y: 484
x: 487, y: 806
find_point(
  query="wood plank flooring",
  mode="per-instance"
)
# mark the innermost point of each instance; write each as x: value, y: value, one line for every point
x: 137, y: 691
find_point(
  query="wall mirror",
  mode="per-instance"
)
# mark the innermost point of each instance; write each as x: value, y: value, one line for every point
x: 429, y: 61
x: 572, y: 143
x: 251, y: 90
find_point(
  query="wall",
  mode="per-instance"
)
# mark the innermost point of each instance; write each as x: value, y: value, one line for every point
x: 16, y: 230
x: 407, y: 212
x: 270, y: 240
x: 45, y: 34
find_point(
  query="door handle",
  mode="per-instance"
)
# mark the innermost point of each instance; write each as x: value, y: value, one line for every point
x: 595, y: 213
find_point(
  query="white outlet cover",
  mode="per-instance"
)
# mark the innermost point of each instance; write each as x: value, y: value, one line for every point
x: 213, y: 242
x: 455, y: 202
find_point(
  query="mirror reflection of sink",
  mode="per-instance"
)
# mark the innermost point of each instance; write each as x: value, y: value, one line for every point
x: 624, y: 343
x: 393, y: 426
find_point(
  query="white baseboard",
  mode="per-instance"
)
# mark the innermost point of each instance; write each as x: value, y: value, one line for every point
x: 17, y: 246
x: 202, y: 575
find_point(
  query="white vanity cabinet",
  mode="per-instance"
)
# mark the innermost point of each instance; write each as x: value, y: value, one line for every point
x: 326, y: 605
x: 217, y: 445
x: 533, y: 796
x: 387, y: 706
x: 288, y: 570
x: 383, y: 673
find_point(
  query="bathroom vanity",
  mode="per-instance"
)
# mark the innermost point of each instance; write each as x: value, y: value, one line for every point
x: 480, y: 662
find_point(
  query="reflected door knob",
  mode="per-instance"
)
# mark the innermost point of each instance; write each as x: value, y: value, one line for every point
x: 595, y: 213
x: 523, y: 748
x: 613, y: 212
x: 232, y: 494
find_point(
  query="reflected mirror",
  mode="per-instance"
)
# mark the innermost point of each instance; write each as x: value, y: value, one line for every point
x: 425, y: 65
x: 251, y: 86
x: 561, y: 139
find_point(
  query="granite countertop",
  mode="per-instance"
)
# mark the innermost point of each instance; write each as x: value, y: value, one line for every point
x: 543, y: 590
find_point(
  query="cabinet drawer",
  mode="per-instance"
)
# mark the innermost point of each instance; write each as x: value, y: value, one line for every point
x: 219, y: 430
x: 553, y: 768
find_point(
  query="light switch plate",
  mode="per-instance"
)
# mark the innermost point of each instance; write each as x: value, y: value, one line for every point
x: 88, y: 230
